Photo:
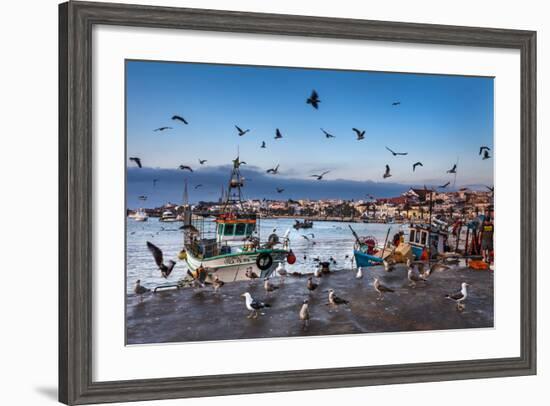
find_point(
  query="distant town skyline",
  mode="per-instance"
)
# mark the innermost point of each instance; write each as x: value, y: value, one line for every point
x: 440, y: 120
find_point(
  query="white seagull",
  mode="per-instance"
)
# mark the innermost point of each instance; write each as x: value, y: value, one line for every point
x: 381, y: 289
x: 304, y: 314
x: 254, y: 305
x: 359, y: 273
x: 459, y: 297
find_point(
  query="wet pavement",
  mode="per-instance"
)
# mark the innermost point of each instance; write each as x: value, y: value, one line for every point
x: 190, y: 314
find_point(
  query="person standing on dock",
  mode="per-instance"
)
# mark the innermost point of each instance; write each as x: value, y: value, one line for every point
x: 487, y: 231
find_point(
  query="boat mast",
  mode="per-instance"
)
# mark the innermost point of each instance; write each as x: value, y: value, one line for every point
x: 233, y: 196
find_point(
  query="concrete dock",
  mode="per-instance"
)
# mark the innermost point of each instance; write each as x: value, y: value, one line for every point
x: 190, y: 314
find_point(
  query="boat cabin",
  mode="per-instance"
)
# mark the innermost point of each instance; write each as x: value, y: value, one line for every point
x: 423, y: 237
x: 234, y: 228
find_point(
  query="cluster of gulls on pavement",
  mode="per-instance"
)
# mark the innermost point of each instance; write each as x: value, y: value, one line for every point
x: 314, y: 101
x: 417, y: 271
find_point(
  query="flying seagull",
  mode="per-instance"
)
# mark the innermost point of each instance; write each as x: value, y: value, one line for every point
x: 459, y: 297
x: 136, y: 160
x: 278, y: 134
x: 387, y: 174
x: 280, y: 190
x: 180, y: 118
x: 396, y: 153
x: 414, y: 276
x: 360, y: 134
x: 263, y: 144
x: 381, y: 289
x: 417, y: 164
x: 483, y: 148
x: 335, y: 300
x: 388, y: 267
x: 327, y: 134
x: 486, y: 154
x: 253, y: 305
x: 202, y: 161
x: 185, y: 167
x: 396, y: 103
x: 304, y: 314
x: 273, y: 171
x: 199, y: 277
x: 155, y: 182
x: 157, y: 255
x: 162, y: 128
x: 320, y: 177
x: 444, y: 186
x: 241, y: 131
x: 198, y: 186
x: 142, y: 197
x: 491, y: 189
x: 313, y: 100
x: 452, y: 170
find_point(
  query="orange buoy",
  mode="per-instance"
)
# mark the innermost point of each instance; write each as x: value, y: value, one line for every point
x: 291, y: 258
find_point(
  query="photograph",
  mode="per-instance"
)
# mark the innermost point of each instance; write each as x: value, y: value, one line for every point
x: 272, y: 202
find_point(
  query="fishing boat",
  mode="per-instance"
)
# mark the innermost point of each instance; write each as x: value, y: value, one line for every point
x: 228, y: 245
x: 367, y: 251
x: 302, y: 224
x: 140, y: 215
x: 168, y: 217
x: 426, y: 238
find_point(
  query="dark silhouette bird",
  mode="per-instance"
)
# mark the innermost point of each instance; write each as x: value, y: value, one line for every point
x: 320, y: 177
x: 396, y: 103
x: 444, y: 186
x: 360, y: 134
x: 166, y: 270
x: 387, y: 173
x: 241, y: 131
x: 142, y: 197
x: 162, y: 128
x: 263, y: 144
x: 202, y: 161
x: 313, y: 100
x: 185, y: 168
x: 491, y: 189
x: 417, y: 164
x: 136, y: 160
x: 486, y: 154
x: 198, y: 186
x: 280, y: 190
x: 273, y: 171
x: 278, y: 134
x: 179, y: 118
x: 155, y: 182
x: 483, y: 148
x: 327, y: 134
x: 396, y: 153
x: 452, y: 170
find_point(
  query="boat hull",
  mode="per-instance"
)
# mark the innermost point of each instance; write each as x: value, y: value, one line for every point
x: 233, y: 267
x: 363, y: 259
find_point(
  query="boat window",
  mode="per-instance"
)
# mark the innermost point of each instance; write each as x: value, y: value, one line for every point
x: 411, y: 235
x: 424, y: 236
x: 239, y: 230
x: 250, y: 228
x: 417, y: 237
x: 220, y: 229
x: 229, y: 229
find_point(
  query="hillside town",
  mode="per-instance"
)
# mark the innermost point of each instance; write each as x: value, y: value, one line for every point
x: 414, y: 205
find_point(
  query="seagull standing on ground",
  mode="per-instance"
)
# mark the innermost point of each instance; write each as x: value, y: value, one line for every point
x: 311, y: 286
x: 335, y: 300
x: 250, y: 274
x: 459, y: 297
x: 254, y: 305
x: 268, y: 286
x: 304, y: 314
x: 381, y: 289
x: 158, y: 256
x: 139, y: 289
x: 413, y: 275
x: 359, y: 273
x: 313, y: 100
x: 136, y: 160
x: 217, y: 283
x: 388, y: 267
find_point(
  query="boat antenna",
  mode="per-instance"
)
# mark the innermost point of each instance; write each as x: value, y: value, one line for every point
x: 454, y: 182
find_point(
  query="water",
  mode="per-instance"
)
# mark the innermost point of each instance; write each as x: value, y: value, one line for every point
x: 331, y: 239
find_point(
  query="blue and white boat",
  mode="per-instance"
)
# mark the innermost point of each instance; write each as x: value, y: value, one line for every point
x: 366, y: 251
x: 424, y: 238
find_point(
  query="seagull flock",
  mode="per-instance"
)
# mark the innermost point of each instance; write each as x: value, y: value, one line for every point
x: 314, y: 101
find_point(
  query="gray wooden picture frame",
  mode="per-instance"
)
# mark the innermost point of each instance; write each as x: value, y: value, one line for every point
x: 76, y: 20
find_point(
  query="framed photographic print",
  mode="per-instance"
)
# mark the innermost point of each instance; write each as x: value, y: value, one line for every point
x: 257, y: 202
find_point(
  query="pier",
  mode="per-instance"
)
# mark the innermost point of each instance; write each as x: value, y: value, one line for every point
x: 188, y: 314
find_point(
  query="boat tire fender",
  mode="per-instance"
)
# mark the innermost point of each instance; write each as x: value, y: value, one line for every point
x: 264, y: 261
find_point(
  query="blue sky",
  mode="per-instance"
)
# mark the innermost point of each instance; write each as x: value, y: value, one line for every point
x: 440, y: 119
